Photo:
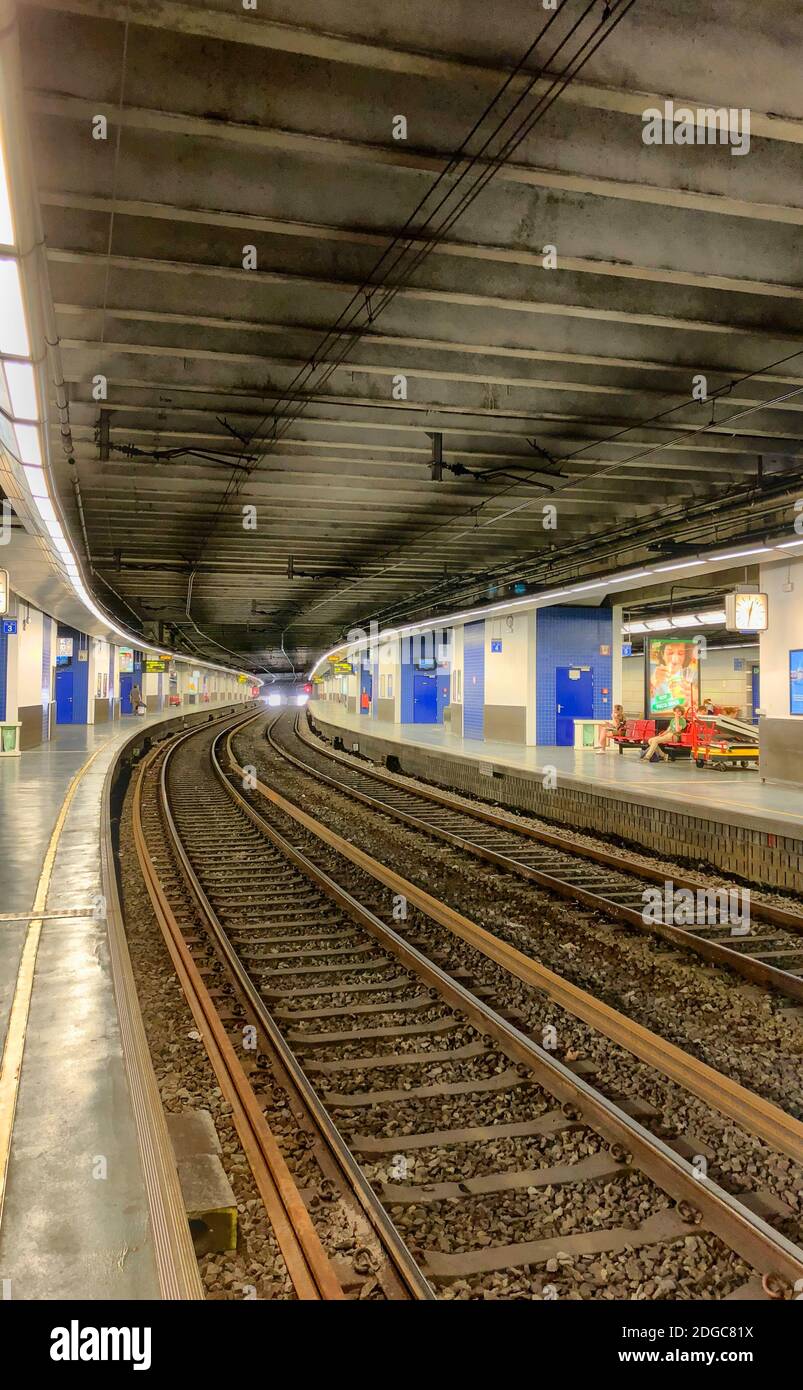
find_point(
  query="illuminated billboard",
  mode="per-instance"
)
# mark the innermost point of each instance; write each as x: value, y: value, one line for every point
x: 673, y: 675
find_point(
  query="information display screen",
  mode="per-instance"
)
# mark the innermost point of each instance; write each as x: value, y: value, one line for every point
x: 673, y: 675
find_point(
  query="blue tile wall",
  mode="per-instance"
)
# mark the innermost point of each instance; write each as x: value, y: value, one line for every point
x: 571, y: 637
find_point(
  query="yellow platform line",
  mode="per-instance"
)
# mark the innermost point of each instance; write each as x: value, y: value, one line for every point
x: 13, y: 1052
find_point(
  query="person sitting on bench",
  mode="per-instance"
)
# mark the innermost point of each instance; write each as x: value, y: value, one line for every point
x: 617, y: 726
x: 669, y: 735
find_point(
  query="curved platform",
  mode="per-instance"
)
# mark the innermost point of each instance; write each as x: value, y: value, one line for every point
x: 729, y: 819
x: 87, y: 1205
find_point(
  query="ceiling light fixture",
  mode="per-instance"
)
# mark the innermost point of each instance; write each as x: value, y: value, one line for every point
x: 14, y: 340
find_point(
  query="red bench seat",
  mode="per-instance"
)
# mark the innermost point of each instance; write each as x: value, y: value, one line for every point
x: 636, y: 733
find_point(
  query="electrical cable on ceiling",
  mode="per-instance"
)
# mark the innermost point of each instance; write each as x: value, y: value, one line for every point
x: 670, y: 444
x: 603, y: 28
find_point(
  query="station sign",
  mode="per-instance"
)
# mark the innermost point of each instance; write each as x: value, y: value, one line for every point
x: 627, y: 649
x: 343, y: 668
x: 154, y: 665
x: 5, y: 591
x: 9, y: 627
x: 496, y: 644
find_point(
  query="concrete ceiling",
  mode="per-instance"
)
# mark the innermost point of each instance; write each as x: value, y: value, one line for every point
x: 273, y: 128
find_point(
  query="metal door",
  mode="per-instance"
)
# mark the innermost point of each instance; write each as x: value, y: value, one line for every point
x: 64, y: 694
x: 126, y: 682
x: 425, y: 697
x: 474, y: 680
x: 574, y: 699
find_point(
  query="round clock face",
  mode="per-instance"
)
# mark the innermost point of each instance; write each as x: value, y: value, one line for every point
x: 750, y: 611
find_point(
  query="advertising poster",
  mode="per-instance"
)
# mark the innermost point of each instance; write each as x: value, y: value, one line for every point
x: 126, y: 659
x: 796, y: 681
x: 673, y: 675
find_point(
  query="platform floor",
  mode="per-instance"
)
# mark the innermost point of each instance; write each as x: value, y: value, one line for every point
x: 736, y: 797
x: 68, y: 1230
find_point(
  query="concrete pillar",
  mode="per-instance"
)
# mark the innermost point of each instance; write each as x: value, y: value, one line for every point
x: 507, y: 660
x: 616, y: 657
x: 781, y: 651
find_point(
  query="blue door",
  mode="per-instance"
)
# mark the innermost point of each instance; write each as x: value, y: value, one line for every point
x: 574, y: 699
x: 425, y: 697
x: 64, y: 694
x: 474, y: 680
x: 755, y: 689
x: 126, y: 682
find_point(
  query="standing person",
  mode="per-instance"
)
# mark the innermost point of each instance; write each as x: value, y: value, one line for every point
x: 670, y: 735
x: 617, y: 725
x: 136, y: 698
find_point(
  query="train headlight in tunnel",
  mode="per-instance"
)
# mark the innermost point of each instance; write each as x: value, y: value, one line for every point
x: 301, y: 699
x: 274, y: 700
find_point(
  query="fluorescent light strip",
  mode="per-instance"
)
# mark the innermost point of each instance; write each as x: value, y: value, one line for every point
x: 7, y: 236
x: 35, y: 478
x: 22, y: 390
x: 13, y: 328
x: 738, y: 554
x: 28, y: 443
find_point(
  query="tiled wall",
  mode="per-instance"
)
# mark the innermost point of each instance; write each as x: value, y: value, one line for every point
x: 571, y: 637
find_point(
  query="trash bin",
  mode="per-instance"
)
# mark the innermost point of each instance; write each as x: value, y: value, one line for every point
x: 9, y: 739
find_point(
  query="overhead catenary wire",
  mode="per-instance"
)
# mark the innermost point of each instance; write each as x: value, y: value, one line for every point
x: 611, y: 16
x: 488, y: 170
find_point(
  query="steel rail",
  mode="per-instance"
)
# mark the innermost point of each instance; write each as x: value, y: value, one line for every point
x: 770, y: 912
x: 309, y: 1267
x: 411, y: 1281
x: 769, y: 1252
x: 176, y: 1262
x: 761, y: 1117
x: 752, y: 968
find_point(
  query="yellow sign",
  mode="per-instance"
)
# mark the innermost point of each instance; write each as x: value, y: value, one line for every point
x: 343, y: 668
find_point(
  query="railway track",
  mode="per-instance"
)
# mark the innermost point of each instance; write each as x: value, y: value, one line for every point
x: 597, y: 878
x: 472, y: 1153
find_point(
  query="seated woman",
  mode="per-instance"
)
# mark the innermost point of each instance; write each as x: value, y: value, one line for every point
x: 669, y: 735
x: 617, y: 725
